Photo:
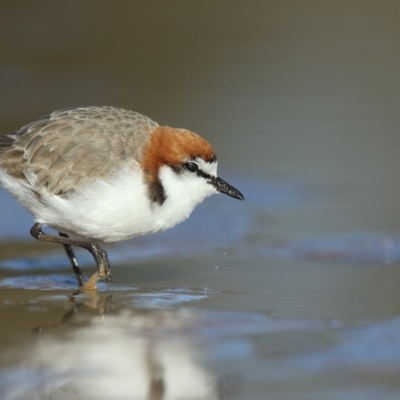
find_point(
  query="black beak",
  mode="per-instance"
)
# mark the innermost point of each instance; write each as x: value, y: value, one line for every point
x: 226, y: 188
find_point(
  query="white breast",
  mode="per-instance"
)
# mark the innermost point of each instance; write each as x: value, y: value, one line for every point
x: 112, y: 210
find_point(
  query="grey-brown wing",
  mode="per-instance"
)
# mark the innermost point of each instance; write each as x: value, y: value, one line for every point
x: 69, y: 148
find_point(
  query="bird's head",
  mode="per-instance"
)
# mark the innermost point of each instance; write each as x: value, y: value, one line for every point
x: 181, y: 165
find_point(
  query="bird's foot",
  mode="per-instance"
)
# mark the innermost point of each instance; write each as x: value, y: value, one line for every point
x: 104, y: 272
x: 90, y: 285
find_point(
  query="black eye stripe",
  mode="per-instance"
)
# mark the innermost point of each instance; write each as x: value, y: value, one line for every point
x: 194, y: 168
x: 204, y: 175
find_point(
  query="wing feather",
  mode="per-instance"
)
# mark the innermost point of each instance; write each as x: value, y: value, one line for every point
x: 67, y: 149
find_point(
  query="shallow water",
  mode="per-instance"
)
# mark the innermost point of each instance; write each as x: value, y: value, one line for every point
x: 293, y: 293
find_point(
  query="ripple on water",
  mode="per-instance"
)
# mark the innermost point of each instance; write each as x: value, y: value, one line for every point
x: 68, y: 282
x: 352, y: 247
x: 43, y: 282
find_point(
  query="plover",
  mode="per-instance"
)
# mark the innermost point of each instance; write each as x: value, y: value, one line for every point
x: 105, y: 174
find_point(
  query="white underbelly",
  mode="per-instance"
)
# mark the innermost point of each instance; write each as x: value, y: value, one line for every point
x: 108, y: 211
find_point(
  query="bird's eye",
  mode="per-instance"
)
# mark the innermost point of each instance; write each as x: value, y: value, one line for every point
x: 191, y: 166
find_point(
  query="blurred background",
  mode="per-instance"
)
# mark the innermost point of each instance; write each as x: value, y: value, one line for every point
x: 298, y: 91
x: 300, y: 100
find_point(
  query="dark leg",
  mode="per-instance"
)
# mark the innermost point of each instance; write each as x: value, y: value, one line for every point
x: 74, y: 261
x: 99, y: 255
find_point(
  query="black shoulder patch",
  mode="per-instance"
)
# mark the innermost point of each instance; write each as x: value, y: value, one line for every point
x: 156, y: 192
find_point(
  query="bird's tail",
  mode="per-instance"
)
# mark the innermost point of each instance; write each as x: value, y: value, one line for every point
x: 5, y: 143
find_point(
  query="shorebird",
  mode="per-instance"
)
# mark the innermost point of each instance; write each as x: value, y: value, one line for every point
x: 105, y: 174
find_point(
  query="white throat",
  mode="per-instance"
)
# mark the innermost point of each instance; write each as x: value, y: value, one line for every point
x: 183, y: 192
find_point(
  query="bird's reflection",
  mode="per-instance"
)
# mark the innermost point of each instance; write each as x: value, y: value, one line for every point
x: 97, y: 304
x: 97, y: 350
